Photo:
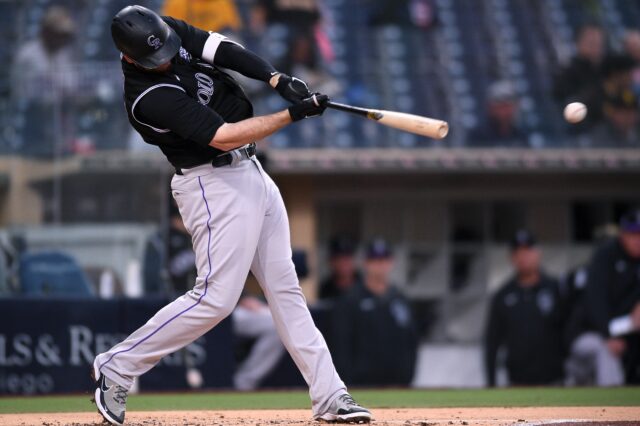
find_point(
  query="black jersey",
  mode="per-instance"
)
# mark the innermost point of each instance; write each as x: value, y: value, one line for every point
x: 613, y: 285
x: 528, y: 322
x: 180, y: 110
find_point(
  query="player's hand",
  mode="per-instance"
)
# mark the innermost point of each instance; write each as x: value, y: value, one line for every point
x: 312, y: 106
x: 617, y: 347
x: 290, y: 88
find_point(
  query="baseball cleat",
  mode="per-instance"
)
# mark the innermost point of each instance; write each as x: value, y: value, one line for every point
x: 110, y: 398
x: 344, y: 409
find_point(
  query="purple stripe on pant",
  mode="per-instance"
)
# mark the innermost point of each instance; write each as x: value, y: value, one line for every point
x: 206, y: 286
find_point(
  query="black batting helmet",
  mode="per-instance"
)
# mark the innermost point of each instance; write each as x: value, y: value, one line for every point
x: 144, y: 37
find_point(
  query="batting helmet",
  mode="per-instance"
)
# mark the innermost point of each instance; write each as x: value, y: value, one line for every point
x: 144, y: 37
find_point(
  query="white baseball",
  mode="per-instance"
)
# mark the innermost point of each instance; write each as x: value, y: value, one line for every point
x: 194, y: 378
x: 575, y: 112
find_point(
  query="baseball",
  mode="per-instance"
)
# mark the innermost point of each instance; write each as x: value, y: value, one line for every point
x: 194, y: 378
x: 575, y: 112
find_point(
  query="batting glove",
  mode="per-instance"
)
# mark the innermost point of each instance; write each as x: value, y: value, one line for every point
x: 292, y: 89
x: 312, y: 106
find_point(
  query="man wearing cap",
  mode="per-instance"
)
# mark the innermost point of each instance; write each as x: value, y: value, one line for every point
x: 44, y: 80
x: 612, y: 297
x: 375, y: 340
x: 620, y: 126
x: 526, y: 319
x: 501, y: 125
x: 344, y: 274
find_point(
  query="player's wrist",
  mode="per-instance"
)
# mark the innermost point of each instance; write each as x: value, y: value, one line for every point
x: 275, y: 78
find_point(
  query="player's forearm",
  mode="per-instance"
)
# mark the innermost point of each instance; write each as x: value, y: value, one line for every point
x: 234, y: 135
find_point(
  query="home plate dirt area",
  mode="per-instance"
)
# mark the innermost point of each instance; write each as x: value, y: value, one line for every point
x: 583, y: 416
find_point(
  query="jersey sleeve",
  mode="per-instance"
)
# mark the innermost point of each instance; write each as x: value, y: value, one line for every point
x: 171, y: 109
x: 199, y: 43
x: 596, y: 291
x: 494, y: 335
x: 235, y: 57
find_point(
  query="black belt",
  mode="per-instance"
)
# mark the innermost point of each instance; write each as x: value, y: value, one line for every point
x: 227, y: 158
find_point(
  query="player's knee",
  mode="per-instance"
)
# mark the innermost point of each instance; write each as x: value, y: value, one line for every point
x: 222, y: 306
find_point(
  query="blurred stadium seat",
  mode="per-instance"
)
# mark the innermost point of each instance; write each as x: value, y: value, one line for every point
x: 52, y: 273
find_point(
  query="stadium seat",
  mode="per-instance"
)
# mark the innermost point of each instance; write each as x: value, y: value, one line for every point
x: 51, y: 273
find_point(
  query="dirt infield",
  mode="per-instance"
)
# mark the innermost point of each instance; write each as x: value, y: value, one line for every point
x: 583, y: 416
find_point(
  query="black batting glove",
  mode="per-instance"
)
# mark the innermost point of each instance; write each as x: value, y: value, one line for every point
x: 292, y: 89
x: 312, y: 106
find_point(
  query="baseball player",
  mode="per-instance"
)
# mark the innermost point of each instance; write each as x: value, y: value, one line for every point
x: 177, y: 98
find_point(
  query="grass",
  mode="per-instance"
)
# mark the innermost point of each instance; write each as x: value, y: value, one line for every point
x: 394, y: 398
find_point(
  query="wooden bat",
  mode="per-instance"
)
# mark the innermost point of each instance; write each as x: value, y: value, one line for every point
x: 425, y: 126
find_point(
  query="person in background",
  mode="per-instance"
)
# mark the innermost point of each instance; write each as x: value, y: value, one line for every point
x: 252, y: 320
x: 632, y: 48
x: 581, y: 79
x: 501, y: 125
x: 344, y: 273
x: 620, y: 105
x: 219, y: 16
x: 44, y: 82
x: 526, y: 318
x: 612, y: 298
x: 181, y: 260
x: 40, y: 66
x: 298, y: 16
x: 375, y: 339
x: 303, y: 61
x: 419, y: 13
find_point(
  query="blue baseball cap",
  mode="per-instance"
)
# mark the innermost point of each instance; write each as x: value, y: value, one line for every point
x: 522, y: 238
x: 341, y: 245
x: 378, y: 248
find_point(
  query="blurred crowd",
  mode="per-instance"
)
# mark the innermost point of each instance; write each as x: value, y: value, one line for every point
x: 64, y: 102
x: 581, y: 330
x: 607, y: 81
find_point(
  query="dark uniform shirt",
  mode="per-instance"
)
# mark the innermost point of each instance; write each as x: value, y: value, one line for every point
x: 374, y: 338
x: 330, y: 290
x: 181, y: 110
x: 613, y: 290
x: 528, y: 321
x: 613, y: 285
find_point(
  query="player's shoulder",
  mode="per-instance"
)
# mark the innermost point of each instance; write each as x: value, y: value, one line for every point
x: 608, y: 249
x: 142, y: 85
x: 136, y: 79
x: 507, y: 286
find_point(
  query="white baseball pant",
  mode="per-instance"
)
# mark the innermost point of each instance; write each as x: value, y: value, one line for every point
x: 238, y: 222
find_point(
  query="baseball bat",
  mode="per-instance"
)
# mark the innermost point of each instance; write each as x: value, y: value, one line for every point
x: 425, y: 126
